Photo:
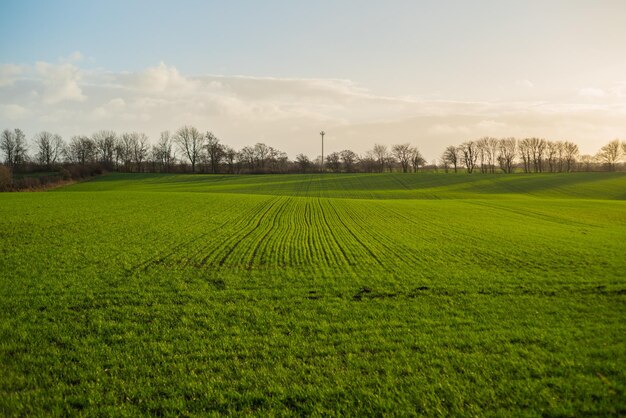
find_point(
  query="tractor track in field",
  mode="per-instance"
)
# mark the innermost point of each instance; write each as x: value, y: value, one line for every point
x: 265, y: 235
x: 237, y: 238
x: 355, y: 237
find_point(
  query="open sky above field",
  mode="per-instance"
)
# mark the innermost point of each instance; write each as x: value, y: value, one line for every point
x: 430, y: 72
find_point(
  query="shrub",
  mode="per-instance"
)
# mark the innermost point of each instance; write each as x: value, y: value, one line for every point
x: 6, y: 179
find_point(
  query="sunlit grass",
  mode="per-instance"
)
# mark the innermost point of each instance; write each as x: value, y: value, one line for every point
x: 357, y: 294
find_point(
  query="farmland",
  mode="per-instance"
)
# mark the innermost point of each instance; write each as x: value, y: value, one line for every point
x: 329, y: 294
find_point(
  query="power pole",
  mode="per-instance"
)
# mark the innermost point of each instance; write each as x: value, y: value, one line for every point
x: 322, y: 134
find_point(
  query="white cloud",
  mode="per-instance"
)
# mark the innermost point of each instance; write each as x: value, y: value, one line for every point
x: 9, y: 74
x: 591, y: 92
x: 287, y: 112
x: 13, y: 112
x: 60, y: 82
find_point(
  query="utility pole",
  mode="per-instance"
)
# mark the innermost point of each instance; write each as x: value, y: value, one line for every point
x: 322, y: 134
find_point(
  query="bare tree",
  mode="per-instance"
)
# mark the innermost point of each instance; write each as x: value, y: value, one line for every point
x: 349, y: 159
x: 610, y: 154
x: 49, y: 148
x: 215, y: 151
x: 570, y: 153
x: 538, y: 147
x: 163, y: 152
x: 190, y: 141
x: 333, y: 162
x: 261, y: 154
x: 7, y: 145
x: 303, y: 162
x: 124, y: 150
x: 417, y: 160
x: 525, y: 151
x: 380, y: 152
x: 484, y: 154
x: 507, y: 151
x: 230, y: 156
x: 403, y: 153
x: 470, y: 155
x: 140, y: 149
x: 552, y: 155
x: 105, y: 142
x: 586, y: 162
x: 451, y: 157
x: 246, y: 157
x: 81, y: 150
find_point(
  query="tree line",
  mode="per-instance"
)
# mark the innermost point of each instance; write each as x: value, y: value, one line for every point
x: 191, y: 150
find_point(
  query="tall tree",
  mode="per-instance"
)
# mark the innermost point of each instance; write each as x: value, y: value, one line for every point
x: 163, y: 152
x: 349, y: 159
x: 417, y: 160
x: 105, y: 142
x: 7, y: 146
x: 215, y: 151
x: 610, y: 154
x: 190, y: 141
x: 140, y: 145
x: 451, y: 156
x: 49, y: 148
x: 404, y: 154
x: 507, y: 151
x: 470, y: 155
x: 381, y: 154
x: 570, y: 153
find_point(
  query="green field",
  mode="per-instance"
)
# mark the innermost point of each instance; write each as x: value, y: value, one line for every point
x: 397, y: 294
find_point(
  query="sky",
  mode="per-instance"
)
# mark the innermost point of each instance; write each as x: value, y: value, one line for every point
x: 432, y: 73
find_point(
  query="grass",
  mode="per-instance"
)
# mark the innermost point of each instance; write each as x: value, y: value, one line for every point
x: 335, y: 295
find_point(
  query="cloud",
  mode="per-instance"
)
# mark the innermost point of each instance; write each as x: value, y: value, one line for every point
x: 591, y: 92
x: 9, y: 74
x: 13, y: 112
x: 60, y: 82
x: 288, y: 113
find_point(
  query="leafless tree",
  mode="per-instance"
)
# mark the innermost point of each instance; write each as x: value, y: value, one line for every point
x: 538, y: 147
x: 525, y: 151
x: 7, y: 145
x: 163, y: 152
x: 190, y: 141
x: 13, y: 145
x: 81, y: 150
x: 349, y: 160
x: 333, y: 162
x: 49, y: 148
x: 124, y: 150
x: 381, y: 154
x: 507, y: 151
x: 105, y: 142
x: 140, y: 145
x: 483, y: 150
x: 470, y: 155
x: 570, y: 153
x: 451, y: 157
x: 552, y: 155
x: 230, y: 156
x: 246, y: 156
x: 215, y: 151
x: 403, y: 154
x: 303, y: 162
x: 416, y: 159
x: 586, y: 162
x: 610, y: 154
